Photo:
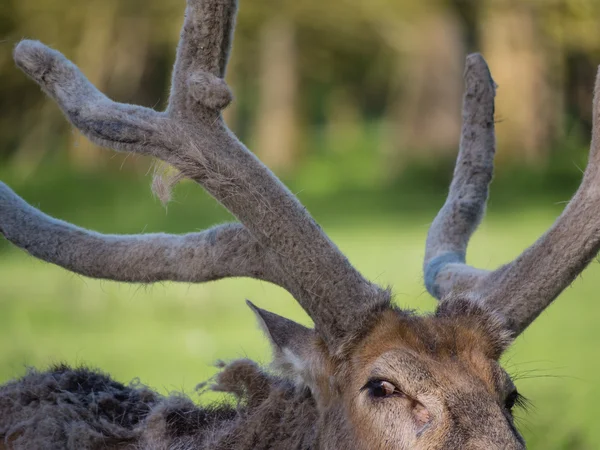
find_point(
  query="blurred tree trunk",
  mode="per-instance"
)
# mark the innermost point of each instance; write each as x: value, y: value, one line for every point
x: 94, y: 56
x: 529, y: 103
x: 424, y: 117
x: 123, y: 78
x: 43, y: 126
x: 278, y: 86
x: 580, y: 77
x: 344, y: 122
x: 128, y: 57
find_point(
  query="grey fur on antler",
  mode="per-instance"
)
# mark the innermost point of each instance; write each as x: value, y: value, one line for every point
x: 445, y: 250
x: 223, y: 251
x: 280, y: 240
x: 520, y: 290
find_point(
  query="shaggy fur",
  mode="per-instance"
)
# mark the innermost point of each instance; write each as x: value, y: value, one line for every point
x: 368, y: 377
x: 83, y: 409
x: 72, y: 408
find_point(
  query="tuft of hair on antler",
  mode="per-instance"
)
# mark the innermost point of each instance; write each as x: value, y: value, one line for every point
x: 164, y: 179
x: 519, y: 291
x: 276, y: 240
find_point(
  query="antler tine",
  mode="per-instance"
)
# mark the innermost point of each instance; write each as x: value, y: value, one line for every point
x: 223, y: 251
x: 450, y: 232
x: 192, y: 137
x: 522, y: 289
x: 519, y: 291
x: 107, y: 123
x: 202, y: 58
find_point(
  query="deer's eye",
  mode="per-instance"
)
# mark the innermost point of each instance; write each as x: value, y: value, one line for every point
x: 381, y: 389
x: 515, y: 399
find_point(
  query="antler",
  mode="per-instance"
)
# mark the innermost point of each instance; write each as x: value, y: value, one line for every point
x: 292, y: 249
x: 223, y: 251
x: 522, y: 289
x: 449, y: 234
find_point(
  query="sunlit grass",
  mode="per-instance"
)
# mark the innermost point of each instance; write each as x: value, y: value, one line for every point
x: 169, y: 335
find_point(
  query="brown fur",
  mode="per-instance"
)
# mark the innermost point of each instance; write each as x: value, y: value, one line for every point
x: 447, y: 362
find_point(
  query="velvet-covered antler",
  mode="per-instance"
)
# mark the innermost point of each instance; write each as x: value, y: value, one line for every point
x: 223, y: 251
x: 521, y: 290
x: 449, y: 234
x: 277, y: 240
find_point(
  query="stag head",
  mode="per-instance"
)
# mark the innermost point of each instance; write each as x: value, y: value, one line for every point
x: 376, y: 377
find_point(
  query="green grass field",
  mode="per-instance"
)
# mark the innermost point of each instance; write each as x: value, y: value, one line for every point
x: 169, y: 335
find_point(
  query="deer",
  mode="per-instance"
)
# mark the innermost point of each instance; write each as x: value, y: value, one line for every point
x: 369, y: 375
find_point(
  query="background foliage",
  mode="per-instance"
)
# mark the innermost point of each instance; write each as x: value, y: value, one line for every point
x: 356, y: 104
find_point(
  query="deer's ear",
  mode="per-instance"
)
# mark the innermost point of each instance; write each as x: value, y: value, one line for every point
x: 298, y: 352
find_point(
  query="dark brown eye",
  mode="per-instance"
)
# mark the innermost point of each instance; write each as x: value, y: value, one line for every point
x: 381, y: 389
x: 514, y: 399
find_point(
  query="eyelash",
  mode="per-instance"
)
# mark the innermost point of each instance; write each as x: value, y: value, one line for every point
x: 516, y: 400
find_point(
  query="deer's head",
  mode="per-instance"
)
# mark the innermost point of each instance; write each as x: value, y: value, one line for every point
x: 410, y: 383
x: 380, y: 377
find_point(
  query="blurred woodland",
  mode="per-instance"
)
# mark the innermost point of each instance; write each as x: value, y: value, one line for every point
x: 356, y: 105
x: 324, y: 80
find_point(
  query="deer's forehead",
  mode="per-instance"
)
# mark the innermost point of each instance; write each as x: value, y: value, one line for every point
x: 426, y: 335
x: 428, y: 352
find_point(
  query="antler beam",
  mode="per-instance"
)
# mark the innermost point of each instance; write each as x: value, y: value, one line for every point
x: 192, y: 136
x: 521, y: 290
x: 221, y: 252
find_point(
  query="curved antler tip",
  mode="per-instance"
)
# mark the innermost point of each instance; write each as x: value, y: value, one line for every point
x: 477, y: 64
x: 5, y: 193
x: 476, y: 58
x: 33, y: 57
x: 477, y: 73
x: 221, y: 2
x: 14, y: 211
x: 12, y: 206
x: 598, y: 83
